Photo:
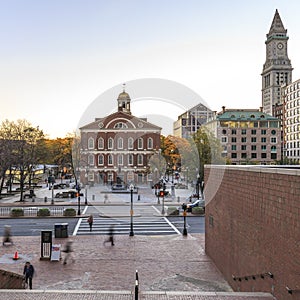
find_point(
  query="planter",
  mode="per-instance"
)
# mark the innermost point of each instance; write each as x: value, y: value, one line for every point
x: 43, y: 212
x: 173, y: 211
x: 17, y: 212
x: 69, y: 212
x: 198, y: 210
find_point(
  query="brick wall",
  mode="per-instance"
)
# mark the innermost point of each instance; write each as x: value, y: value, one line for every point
x: 10, y: 280
x: 253, y: 227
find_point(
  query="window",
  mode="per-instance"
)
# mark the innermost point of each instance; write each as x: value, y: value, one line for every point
x: 91, y: 159
x: 120, y: 143
x: 244, y: 155
x: 253, y: 147
x: 233, y: 140
x: 253, y: 131
x: 264, y: 131
x: 263, y: 147
x: 253, y: 155
x: 224, y: 139
x: 101, y: 159
x: 253, y: 140
x: 120, y: 159
x: 100, y: 143
x: 91, y: 143
x: 224, y: 131
x: 264, y: 155
x: 273, y: 140
x: 130, y: 143
x: 233, y: 131
x: 130, y: 159
x: 233, y: 155
x: 120, y: 125
x: 110, y: 143
x: 273, y: 156
x: 150, y: 143
x: 244, y: 140
x: 244, y: 131
x: 110, y: 159
x: 140, y: 143
x: 263, y: 140
x: 244, y: 147
x: 233, y: 147
x: 140, y: 159
x: 273, y: 148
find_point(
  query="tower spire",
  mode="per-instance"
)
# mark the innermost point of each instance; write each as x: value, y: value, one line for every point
x: 277, y: 28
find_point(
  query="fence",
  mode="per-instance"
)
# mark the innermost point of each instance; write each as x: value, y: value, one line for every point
x: 32, y: 211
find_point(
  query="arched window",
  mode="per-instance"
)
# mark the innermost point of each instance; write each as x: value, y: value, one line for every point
x: 101, y: 159
x: 91, y: 143
x: 120, y: 159
x: 91, y: 159
x: 130, y: 143
x: 120, y: 143
x: 130, y: 159
x: 100, y: 143
x: 120, y: 125
x: 140, y: 159
x: 273, y: 148
x: 150, y: 143
x: 110, y: 160
x: 110, y: 143
x: 140, y: 143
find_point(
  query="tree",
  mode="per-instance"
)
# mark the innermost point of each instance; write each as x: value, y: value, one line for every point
x: 21, y: 143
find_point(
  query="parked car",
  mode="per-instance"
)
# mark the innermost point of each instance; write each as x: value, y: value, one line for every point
x: 67, y: 194
x: 118, y: 186
x: 59, y: 186
x: 197, y: 203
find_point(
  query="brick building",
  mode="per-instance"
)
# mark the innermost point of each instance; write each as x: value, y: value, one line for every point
x: 252, y: 228
x: 247, y: 135
x: 117, y: 148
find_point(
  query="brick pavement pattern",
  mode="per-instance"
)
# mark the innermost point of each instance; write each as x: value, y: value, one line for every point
x: 164, y: 263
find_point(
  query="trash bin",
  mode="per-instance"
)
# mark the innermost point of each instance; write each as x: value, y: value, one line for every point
x: 61, y: 230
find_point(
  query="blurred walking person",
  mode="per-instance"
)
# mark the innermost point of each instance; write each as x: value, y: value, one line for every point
x: 110, y: 236
x: 7, y: 235
x: 68, y: 250
x: 90, y: 220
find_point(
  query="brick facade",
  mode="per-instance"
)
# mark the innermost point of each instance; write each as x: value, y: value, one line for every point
x: 253, y: 227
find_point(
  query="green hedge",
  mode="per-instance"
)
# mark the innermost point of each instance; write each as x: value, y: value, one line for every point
x: 43, y: 212
x: 198, y: 210
x: 17, y: 212
x: 69, y: 212
x: 173, y: 211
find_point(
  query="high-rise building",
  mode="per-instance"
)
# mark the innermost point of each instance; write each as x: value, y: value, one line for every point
x: 277, y: 69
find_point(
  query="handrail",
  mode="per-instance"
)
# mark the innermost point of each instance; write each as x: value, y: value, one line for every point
x: 253, y: 277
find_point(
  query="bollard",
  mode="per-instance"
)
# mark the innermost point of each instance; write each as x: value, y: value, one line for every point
x: 136, y: 287
x: 45, y: 199
x: 178, y: 199
x: 139, y: 197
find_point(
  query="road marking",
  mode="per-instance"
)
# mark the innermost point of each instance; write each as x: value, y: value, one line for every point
x: 174, y: 228
x: 79, y: 221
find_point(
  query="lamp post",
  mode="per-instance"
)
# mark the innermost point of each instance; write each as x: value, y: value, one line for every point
x: 131, y: 233
x: 184, y: 207
x: 78, y: 195
x: 197, y: 185
x: 163, y: 200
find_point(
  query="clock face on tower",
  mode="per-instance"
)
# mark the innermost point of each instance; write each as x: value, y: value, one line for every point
x: 280, y: 46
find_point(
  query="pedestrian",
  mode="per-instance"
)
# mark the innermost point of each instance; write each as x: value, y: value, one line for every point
x: 7, y: 235
x: 68, y: 250
x: 28, y: 273
x: 110, y: 236
x: 90, y: 220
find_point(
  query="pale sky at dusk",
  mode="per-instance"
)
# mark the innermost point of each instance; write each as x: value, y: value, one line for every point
x: 58, y: 56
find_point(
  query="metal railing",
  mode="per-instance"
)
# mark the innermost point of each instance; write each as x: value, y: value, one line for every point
x: 32, y: 211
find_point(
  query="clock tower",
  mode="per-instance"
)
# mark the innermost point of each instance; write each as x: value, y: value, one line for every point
x: 277, y: 70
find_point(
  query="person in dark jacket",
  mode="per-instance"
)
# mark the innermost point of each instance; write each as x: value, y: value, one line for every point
x: 28, y: 272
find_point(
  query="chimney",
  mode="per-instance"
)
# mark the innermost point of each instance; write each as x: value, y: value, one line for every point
x: 261, y: 109
x: 223, y: 109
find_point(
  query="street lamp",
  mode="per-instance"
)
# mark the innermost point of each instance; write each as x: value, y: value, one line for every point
x: 131, y: 233
x: 184, y: 207
x: 197, y: 185
x: 163, y: 200
x: 78, y: 195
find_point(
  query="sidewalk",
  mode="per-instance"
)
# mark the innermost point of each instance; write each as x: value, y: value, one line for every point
x: 164, y: 263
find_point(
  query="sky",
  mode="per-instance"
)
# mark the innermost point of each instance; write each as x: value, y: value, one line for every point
x: 58, y: 56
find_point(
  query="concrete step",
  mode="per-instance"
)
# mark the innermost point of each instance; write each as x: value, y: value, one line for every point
x: 118, y: 295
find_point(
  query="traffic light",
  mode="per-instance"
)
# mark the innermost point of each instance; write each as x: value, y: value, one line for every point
x: 161, y: 193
